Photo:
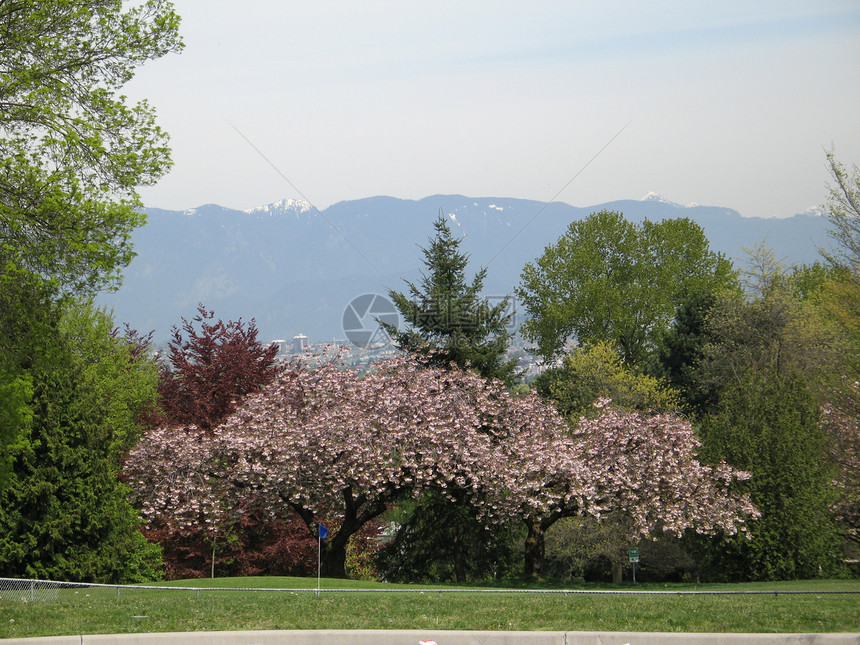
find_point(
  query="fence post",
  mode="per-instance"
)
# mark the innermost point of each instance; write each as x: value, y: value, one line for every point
x: 32, y: 591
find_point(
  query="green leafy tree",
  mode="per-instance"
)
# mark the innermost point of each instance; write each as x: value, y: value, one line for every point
x: 72, y: 150
x: 769, y: 425
x: 587, y: 549
x: 23, y: 301
x: 843, y: 211
x: 466, y: 551
x: 776, y: 333
x: 832, y: 290
x: 608, y: 279
x: 65, y: 514
x: 839, y: 294
x: 450, y: 322
x: 72, y: 153
x: 839, y: 304
x: 596, y: 372
x: 16, y: 391
x: 777, y: 326
x: 120, y: 371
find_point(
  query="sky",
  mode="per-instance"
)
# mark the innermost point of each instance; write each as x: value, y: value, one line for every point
x: 725, y: 103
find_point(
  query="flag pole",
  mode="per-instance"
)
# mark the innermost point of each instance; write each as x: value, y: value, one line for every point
x: 322, y: 532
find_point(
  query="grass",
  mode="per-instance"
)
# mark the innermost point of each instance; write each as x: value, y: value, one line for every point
x: 100, y: 611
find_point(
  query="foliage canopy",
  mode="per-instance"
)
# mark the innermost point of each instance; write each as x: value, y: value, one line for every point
x: 64, y: 514
x: 212, y: 365
x: 768, y: 424
x: 72, y: 149
x: 588, y: 374
x: 450, y: 322
x: 608, y: 279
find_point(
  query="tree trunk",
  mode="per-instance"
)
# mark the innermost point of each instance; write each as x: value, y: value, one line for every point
x: 334, y: 549
x: 214, y: 541
x: 459, y: 553
x: 334, y: 558
x: 356, y: 515
x: 617, y: 573
x: 535, y: 549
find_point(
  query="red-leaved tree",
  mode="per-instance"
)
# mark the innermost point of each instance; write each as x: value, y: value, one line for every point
x: 212, y: 365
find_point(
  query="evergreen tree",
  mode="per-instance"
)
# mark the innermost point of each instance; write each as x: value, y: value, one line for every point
x: 682, y: 348
x: 452, y: 326
x: 65, y: 514
x: 450, y: 323
x: 768, y: 425
x: 23, y: 301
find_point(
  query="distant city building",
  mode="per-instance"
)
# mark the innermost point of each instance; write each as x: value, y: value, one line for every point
x: 281, y: 343
x: 300, y: 344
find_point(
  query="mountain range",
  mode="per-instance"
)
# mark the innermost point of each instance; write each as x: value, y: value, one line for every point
x: 295, y: 269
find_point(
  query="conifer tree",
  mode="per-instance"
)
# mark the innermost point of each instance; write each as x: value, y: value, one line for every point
x: 64, y: 514
x: 451, y: 325
x: 769, y: 425
x: 450, y: 322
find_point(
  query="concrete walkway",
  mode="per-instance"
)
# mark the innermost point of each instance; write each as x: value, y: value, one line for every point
x: 405, y: 637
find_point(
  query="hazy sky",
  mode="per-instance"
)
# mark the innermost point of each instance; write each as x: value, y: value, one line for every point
x: 725, y: 103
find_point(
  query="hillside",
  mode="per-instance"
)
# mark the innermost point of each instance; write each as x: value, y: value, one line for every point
x: 295, y: 269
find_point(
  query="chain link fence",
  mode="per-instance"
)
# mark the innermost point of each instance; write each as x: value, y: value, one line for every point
x: 30, y: 590
x: 12, y: 590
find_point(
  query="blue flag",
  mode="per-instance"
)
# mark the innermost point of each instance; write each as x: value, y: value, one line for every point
x: 323, y: 531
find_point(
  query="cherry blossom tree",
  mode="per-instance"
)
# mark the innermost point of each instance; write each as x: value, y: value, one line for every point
x: 336, y: 448
x: 841, y: 420
x: 176, y: 493
x: 644, y: 466
x: 340, y: 448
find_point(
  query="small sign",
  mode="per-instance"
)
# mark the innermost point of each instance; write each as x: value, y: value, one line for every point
x: 634, y: 554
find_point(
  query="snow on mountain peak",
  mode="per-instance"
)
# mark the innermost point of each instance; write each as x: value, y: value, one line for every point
x: 282, y: 206
x: 651, y: 196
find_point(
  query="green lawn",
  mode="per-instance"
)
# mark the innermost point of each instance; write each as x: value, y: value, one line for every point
x: 102, y: 610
